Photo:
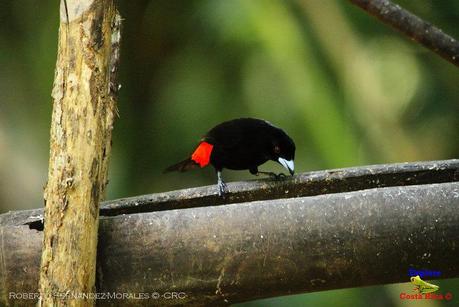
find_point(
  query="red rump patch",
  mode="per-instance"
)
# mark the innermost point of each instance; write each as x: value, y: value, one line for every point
x: 202, y: 154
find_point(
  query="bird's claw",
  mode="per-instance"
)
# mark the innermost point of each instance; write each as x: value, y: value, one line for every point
x: 275, y: 176
x: 280, y: 176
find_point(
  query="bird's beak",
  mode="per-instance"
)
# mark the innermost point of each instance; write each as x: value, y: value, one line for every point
x: 288, y: 165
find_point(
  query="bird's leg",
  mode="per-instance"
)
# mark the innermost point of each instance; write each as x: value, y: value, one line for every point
x: 274, y: 175
x: 222, y: 188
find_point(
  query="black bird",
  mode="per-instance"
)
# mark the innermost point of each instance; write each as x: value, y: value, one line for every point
x: 240, y: 144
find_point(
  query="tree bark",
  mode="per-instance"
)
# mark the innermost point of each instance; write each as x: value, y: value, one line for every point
x: 84, y: 108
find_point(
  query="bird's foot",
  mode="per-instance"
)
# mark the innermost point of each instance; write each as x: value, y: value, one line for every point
x: 222, y: 188
x: 280, y: 176
x: 274, y: 176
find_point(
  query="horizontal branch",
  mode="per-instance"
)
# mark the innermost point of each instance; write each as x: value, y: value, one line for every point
x: 414, y: 27
x: 304, y: 184
x: 218, y: 254
x: 227, y: 254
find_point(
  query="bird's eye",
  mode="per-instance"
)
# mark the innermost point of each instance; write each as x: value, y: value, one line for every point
x: 277, y: 149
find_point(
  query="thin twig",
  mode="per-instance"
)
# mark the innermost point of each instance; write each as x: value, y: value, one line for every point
x: 414, y: 27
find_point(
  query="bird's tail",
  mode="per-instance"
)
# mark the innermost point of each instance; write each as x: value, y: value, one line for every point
x: 182, y: 166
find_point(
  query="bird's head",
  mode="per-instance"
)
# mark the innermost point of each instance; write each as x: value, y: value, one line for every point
x: 283, y: 151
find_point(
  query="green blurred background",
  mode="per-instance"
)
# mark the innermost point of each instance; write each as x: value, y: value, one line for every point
x: 348, y: 89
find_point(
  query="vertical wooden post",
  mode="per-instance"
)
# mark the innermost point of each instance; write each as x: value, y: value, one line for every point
x: 84, y: 108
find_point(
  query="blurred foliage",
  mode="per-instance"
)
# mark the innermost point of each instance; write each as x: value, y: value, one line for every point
x: 348, y: 89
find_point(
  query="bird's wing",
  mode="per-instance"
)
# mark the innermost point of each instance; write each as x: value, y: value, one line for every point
x: 227, y: 135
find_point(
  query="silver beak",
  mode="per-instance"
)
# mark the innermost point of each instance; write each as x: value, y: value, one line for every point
x: 289, y: 165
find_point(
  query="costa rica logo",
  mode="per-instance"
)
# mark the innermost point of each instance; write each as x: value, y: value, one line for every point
x: 424, y: 290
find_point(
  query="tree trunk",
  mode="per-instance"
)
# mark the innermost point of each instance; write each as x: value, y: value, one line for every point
x: 84, y: 98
